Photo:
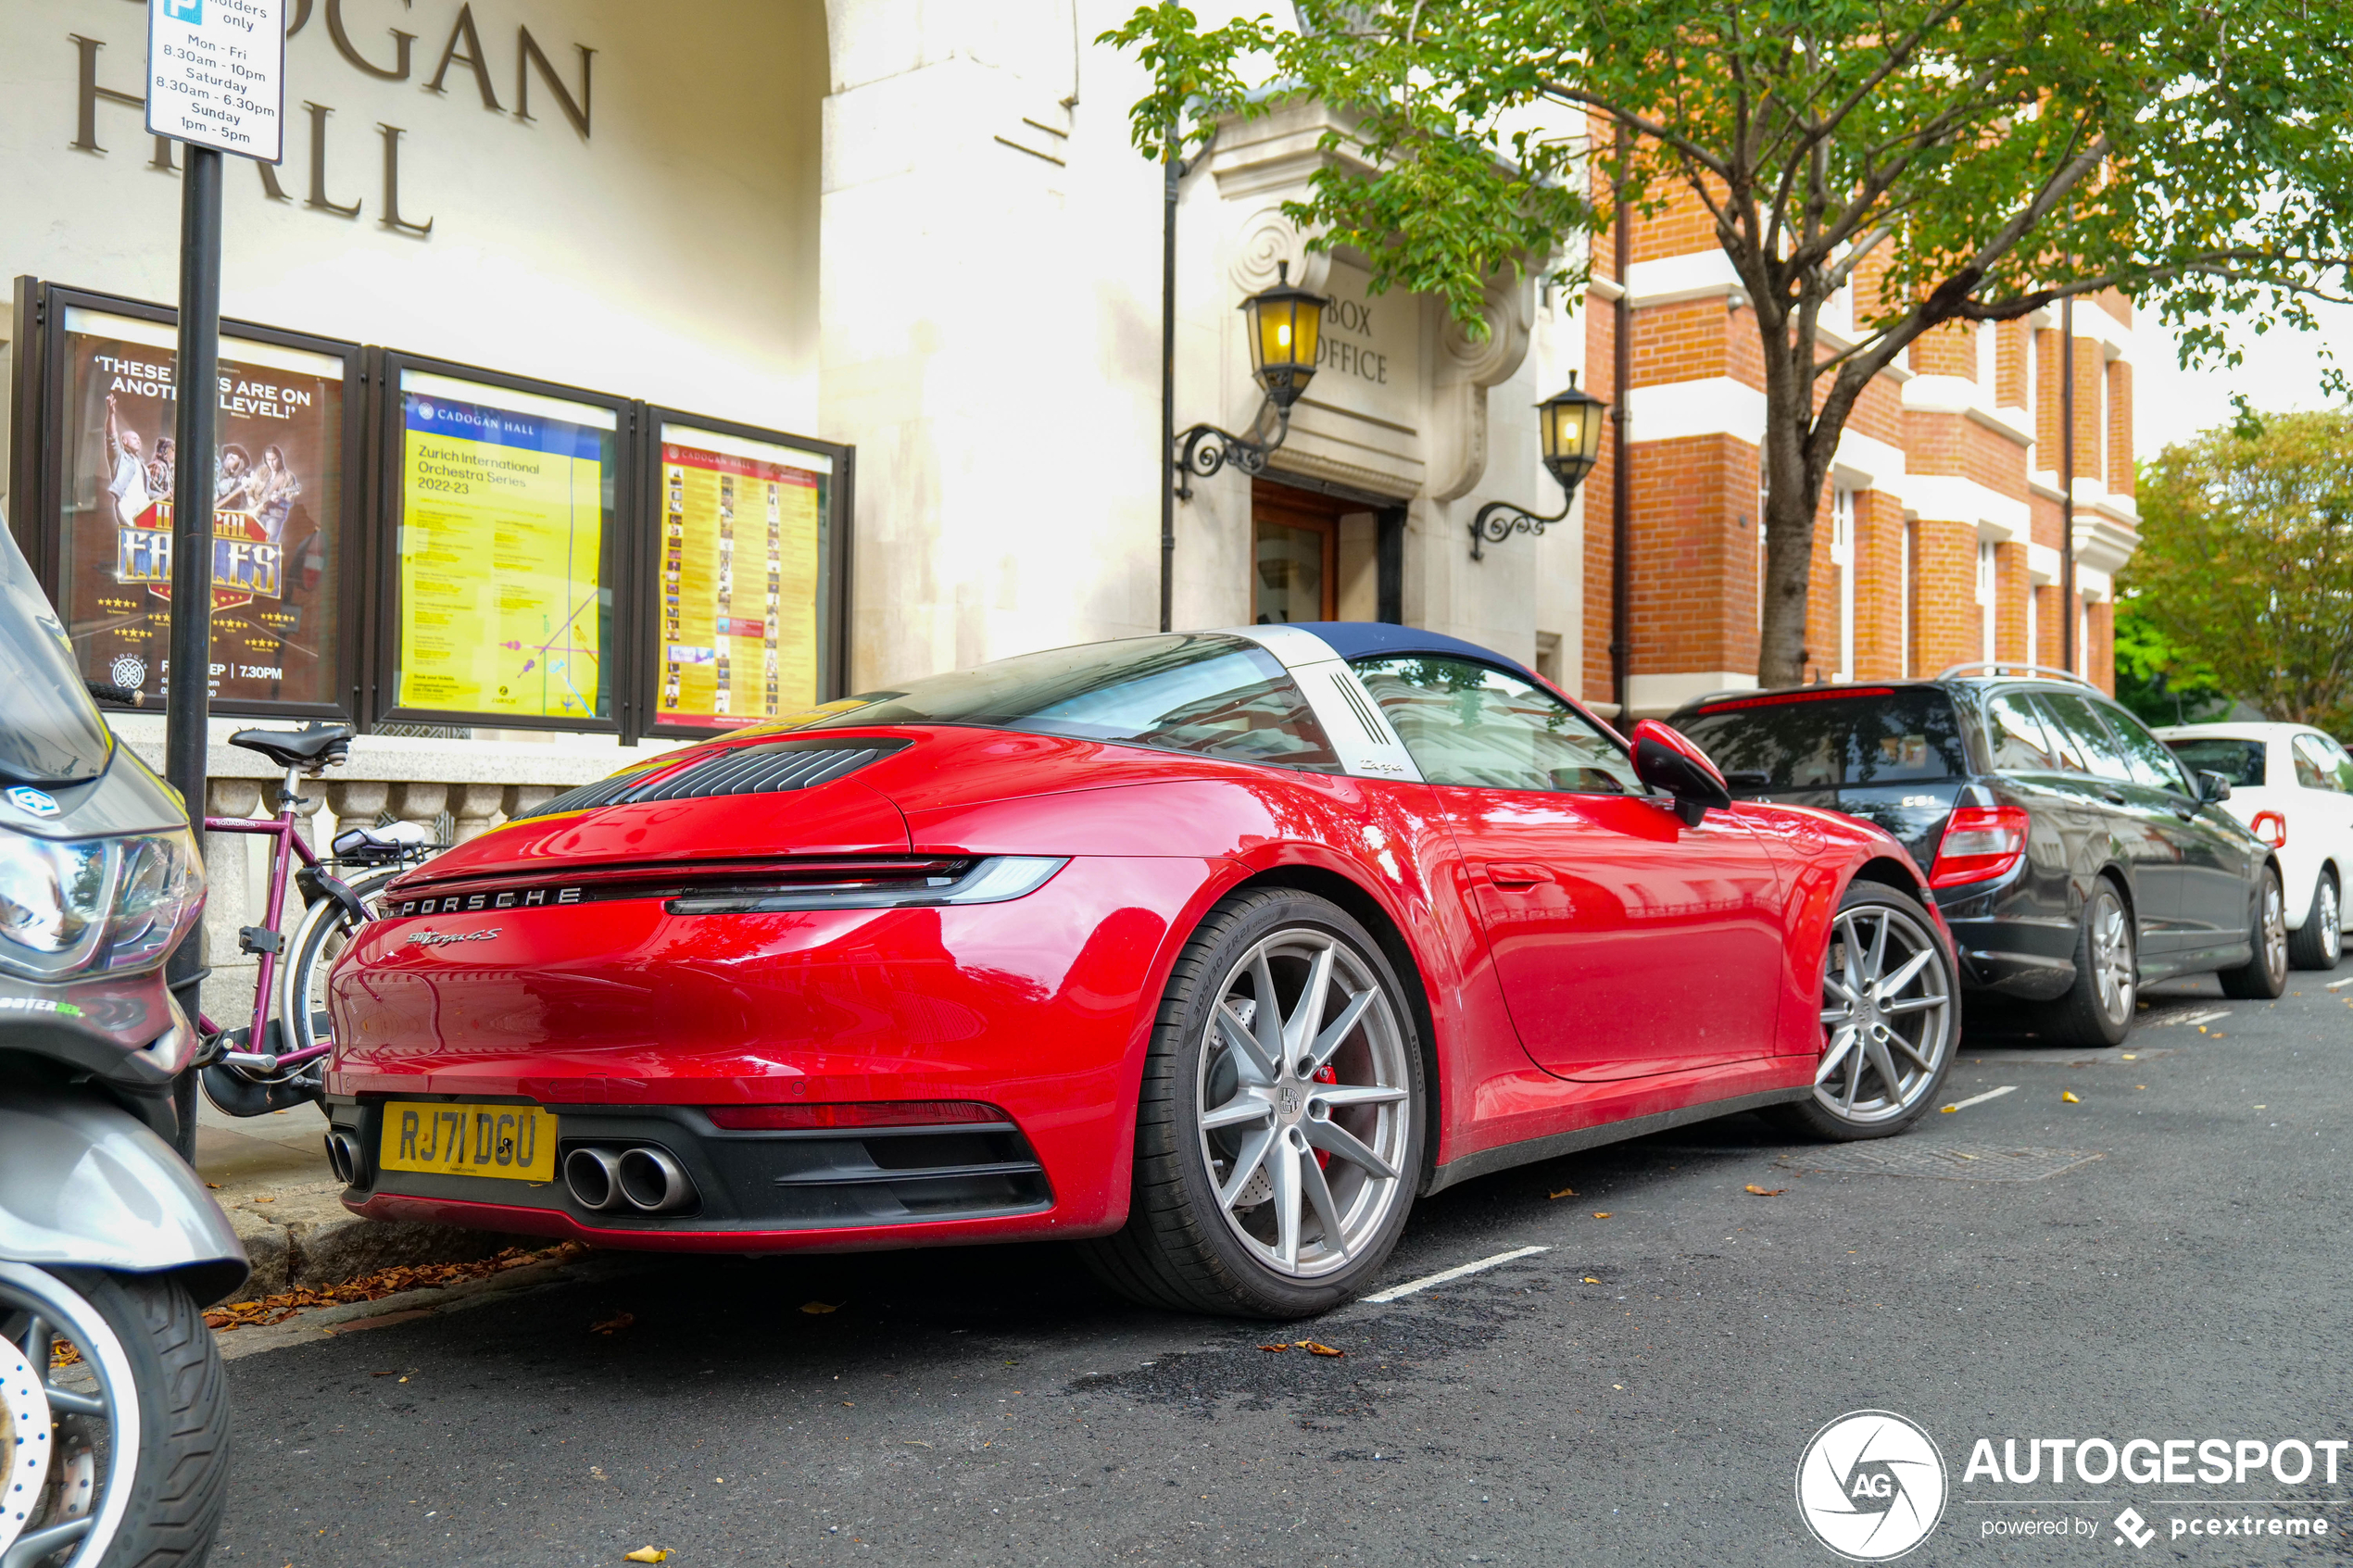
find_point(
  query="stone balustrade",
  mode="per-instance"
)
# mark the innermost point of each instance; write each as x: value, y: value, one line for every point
x: 477, y: 783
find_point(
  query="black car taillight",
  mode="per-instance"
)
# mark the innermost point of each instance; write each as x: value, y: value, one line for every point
x: 1979, y: 844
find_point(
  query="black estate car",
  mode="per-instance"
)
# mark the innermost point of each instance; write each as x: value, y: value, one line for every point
x: 2073, y: 855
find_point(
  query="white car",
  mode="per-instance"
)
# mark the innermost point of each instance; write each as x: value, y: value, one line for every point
x: 2293, y: 786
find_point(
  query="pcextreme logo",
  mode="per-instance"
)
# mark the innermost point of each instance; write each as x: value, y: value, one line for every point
x: 1870, y: 1486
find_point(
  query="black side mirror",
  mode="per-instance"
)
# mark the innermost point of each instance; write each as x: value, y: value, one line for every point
x: 1665, y: 761
x: 2212, y: 788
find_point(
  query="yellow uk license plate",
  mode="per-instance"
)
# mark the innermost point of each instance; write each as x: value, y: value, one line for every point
x: 515, y: 1142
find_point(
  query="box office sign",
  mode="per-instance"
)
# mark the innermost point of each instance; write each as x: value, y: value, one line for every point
x: 277, y: 484
x: 506, y: 504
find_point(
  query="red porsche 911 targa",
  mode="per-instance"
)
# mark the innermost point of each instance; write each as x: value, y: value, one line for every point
x: 1210, y: 951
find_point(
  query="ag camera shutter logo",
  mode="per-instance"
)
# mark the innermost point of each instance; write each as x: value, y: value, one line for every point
x: 1870, y: 1486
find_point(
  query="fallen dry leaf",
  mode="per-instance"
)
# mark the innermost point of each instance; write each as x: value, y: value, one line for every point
x: 2128, y: 1056
x: 1765, y: 1192
x: 614, y: 1324
x: 1947, y: 1109
x: 1590, y: 1280
x: 1314, y: 1350
x: 818, y: 1308
x: 645, y: 1554
x: 1277, y: 1349
x: 382, y: 1283
x: 1600, y: 1213
x: 1566, y: 1192
x: 2070, y: 1097
x: 386, y: 1372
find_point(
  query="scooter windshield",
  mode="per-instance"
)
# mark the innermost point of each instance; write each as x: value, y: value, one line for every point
x: 50, y: 731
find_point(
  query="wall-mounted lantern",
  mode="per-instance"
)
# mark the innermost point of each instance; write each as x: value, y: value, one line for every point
x: 1285, y: 324
x: 1570, y: 424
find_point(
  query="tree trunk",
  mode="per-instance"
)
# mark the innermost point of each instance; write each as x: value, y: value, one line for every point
x: 1792, y: 493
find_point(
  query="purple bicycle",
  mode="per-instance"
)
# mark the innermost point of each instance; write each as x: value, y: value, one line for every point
x: 271, y: 1063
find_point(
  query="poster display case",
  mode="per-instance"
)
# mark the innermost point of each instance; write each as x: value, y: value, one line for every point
x: 284, y: 628
x: 400, y: 539
x: 500, y: 498
x: 745, y: 572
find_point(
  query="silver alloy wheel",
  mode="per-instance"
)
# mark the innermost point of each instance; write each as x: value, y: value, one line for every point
x: 1302, y: 1090
x: 1887, y: 1008
x: 2115, y: 974
x: 2332, y: 918
x: 92, y: 1432
x: 2274, y: 920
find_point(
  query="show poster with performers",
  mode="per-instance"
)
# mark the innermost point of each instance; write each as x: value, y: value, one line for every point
x: 506, y: 499
x: 742, y: 552
x: 277, y: 484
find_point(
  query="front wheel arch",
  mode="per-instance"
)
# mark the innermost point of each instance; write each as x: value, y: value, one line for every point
x: 1370, y: 914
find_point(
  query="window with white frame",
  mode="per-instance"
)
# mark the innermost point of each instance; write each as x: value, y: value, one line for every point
x: 1842, y: 562
x: 1986, y: 597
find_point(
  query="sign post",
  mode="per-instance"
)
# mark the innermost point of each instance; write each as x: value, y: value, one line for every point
x: 216, y: 82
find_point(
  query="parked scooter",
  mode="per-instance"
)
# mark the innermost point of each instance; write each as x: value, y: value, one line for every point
x: 113, y: 1402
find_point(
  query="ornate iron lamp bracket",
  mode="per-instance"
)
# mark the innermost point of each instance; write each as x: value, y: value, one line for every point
x: 1498, y: 520
x: 1204, y: 449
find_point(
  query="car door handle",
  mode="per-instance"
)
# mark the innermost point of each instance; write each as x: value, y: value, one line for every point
x: 1504, y: 874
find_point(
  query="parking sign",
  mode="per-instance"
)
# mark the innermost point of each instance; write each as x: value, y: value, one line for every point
x: 217, y: 73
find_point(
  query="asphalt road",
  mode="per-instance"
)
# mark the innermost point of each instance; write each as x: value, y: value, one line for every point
x: 1640, y: 1392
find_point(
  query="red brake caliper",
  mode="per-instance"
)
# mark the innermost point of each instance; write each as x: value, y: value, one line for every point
x: 1324, y: 1075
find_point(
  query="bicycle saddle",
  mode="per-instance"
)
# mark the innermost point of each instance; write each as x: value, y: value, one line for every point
x: 313, y: 745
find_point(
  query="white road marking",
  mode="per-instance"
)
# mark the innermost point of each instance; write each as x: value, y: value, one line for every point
x: 2187, y: 1020
x: 2339, y: 984
x: 1396, y: 1291
x: 1980, y: 1099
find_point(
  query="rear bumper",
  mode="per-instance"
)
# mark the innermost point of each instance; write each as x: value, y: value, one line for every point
x: 751, y: 1191
x: 2030, y: 958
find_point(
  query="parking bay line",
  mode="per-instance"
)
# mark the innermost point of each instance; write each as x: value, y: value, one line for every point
x: 1396, y: 1292
x: 1980, y: 1099
x: 2339, y: 984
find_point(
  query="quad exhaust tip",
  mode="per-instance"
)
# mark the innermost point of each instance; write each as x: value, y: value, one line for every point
x: 345, y: 1159
x: 647, y: 1180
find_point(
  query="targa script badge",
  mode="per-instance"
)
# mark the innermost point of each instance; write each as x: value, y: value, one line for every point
x: 443, y: 938
x: 1870, y: 1486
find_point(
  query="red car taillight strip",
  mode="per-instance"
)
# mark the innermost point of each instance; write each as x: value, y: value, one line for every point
x: 535, y: 889
x: 855, y: 1114
x: 1979, y: 844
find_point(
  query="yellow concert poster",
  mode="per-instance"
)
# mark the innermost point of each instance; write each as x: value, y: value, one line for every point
x: 501, y: 545
x: 740, y: 567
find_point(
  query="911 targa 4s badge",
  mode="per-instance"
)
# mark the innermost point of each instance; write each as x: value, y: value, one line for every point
x: 1211, y: 952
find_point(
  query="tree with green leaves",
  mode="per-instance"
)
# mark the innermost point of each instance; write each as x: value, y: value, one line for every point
x: 1975, y: 159
x: 2160, y: 682
x: 2246, y: 564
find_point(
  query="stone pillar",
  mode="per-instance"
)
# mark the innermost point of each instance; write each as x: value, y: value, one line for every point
x: 419, y: 803
x: 523, y: 798
x: 476, y: 806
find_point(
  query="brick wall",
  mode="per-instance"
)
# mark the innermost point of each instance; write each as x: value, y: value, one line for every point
x: 2102, y: 667
x: 1601, y: 487
x: 1946, y: 624
x: 2009, y: 592
x: 1694, y: 554
x: 2120, y: 427
x: 1878, y: 586
x: 2012, y: 343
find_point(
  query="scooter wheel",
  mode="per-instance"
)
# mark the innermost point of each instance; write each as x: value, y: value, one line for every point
x: 148, y: 1384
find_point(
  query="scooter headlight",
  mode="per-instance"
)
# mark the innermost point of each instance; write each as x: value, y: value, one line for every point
x: 53, y: 899
x: 161, y: 890
x: 67, y: 906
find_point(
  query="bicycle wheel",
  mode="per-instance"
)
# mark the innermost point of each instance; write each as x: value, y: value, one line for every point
x: 325, y: 931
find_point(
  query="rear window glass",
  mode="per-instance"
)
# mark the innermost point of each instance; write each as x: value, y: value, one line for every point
x: 1217, y: 695
x: 1806, y: 741
x: 2241, y: 761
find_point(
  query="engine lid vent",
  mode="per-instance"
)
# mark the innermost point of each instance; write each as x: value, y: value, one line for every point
x: 751, y: 770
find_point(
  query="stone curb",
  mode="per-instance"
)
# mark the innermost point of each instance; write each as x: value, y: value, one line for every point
x: 301, y: 1236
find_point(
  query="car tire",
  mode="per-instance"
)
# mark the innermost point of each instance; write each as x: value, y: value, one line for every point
x: 2096, y: 1010
x: 1240, y: 1154
x: 2264, y: 975
x: 1896, y: 1040
x: 2322, y: 942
